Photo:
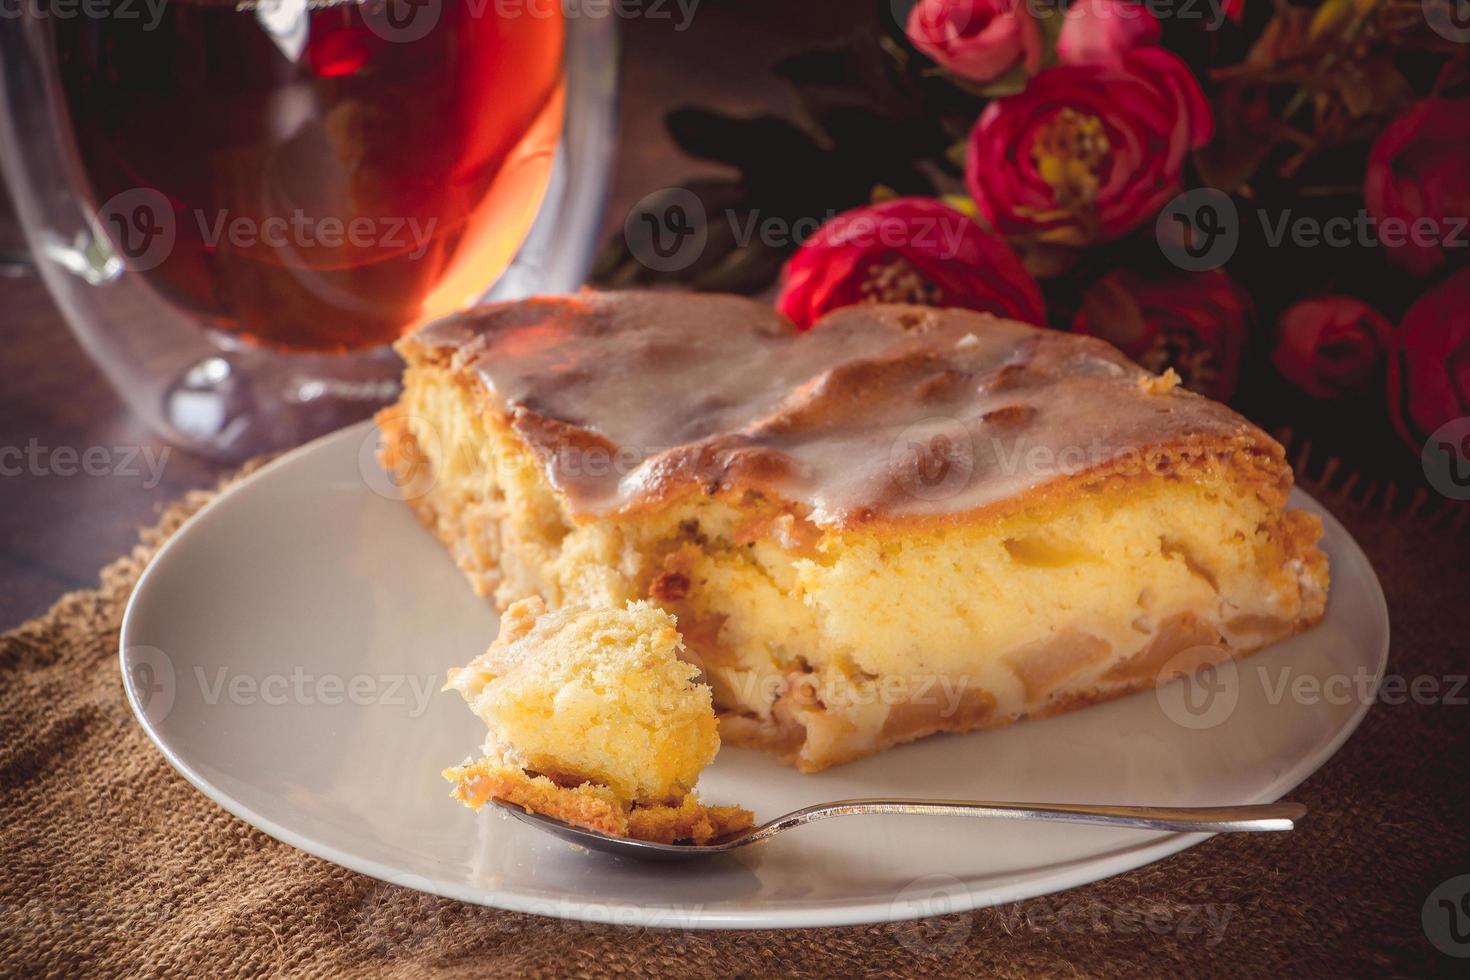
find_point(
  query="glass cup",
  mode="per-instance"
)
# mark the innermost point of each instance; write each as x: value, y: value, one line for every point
x: 239, y: 206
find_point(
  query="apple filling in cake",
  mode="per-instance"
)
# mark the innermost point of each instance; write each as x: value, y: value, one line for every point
x: 595, y: 720
x: 904, y: 521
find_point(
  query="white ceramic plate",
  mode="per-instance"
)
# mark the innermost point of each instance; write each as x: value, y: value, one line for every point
x: 285, y: 651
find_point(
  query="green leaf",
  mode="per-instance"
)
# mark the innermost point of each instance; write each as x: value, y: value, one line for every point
x: 1010, y: 83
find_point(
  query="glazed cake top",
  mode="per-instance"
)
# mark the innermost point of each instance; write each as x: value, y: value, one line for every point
x: 878, y: 411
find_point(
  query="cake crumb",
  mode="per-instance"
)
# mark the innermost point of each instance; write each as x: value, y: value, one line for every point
x: 1160, y: 384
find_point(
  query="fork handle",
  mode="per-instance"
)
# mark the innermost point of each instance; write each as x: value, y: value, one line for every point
x: 1189, y: 819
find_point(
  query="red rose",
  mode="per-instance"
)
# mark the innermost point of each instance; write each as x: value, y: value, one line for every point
x: 1099, y: 31
x: 1429, y: 364
x: 1418, y: 182
x: 906, y: 250
x: 977, y: 39
x: 1195, y: 323
x: 1330, y: 345
x: 1087, y: 152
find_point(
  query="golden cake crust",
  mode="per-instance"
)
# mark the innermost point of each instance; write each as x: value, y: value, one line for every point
x: 596, y: 807
x: 880, y: 414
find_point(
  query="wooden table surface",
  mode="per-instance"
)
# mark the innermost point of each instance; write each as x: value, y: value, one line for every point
x: 57, y: 531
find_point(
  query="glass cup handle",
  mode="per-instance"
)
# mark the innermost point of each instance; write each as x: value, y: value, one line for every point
x: 88, y: 257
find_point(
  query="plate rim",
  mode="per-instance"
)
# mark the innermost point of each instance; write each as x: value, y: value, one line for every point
x: 1074, y: 874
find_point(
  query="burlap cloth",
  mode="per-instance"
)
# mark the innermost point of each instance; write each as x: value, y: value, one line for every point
x: 113, y: 864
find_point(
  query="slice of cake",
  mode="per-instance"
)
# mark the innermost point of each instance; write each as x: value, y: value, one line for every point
x: 593, y: 719
x: 901, y: 522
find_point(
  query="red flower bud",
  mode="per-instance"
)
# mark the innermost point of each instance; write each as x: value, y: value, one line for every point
x: 1429, y: 364
x: 979, y: 40
x: 1418, y: 182
x: 1195, y: 323
x: 1096, y: 31
x: 907, y: 250
x: 1331, y: 345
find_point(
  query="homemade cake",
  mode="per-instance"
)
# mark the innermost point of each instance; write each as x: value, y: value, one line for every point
x: 593, y: 719
x: 904, y: 521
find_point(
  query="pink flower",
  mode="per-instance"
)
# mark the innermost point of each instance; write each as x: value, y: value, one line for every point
x: 1194, y: 322
x: 1099, y: 31
x: 1418, y: 182
x: 979, y: 40
x: 1330, y: 346
x: 1087, y: 152
x: 907, y: 250
x: 1429, y: 366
